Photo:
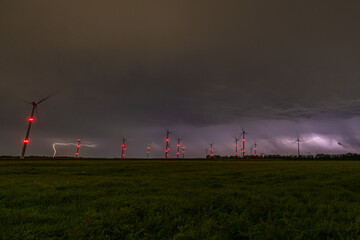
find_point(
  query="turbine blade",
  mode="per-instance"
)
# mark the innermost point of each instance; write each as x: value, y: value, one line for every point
x: 44, y: 99
x: 25, y: 101
x: 36, y: 112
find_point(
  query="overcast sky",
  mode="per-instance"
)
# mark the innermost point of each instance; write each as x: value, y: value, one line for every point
x: 203, y: 69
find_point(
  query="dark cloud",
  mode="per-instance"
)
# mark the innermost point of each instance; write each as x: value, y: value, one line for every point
x: 203, y: 68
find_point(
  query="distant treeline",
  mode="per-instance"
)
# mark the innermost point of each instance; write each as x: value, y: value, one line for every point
x: 347, y: 156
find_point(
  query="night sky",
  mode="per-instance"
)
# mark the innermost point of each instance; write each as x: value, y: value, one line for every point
x: 203, y: 69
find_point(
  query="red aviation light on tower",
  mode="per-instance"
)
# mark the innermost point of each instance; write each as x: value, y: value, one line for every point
x: 244, y: 139
x: 26, y: 141
x: 31, y: 119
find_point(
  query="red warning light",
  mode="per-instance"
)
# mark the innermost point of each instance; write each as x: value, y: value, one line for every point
x: 77, y: 154
x: 167, y: 139
x: 31, y: 119
x: 78, y: 146
x: 26, y: 141
x: 79, y: 140
x: 243, y: 139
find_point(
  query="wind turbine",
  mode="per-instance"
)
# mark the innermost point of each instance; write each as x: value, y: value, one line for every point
x: 167, y: 145
x: 123, y: 149
x: 255, y: 145
x: 211, y: 150
x: 31, y: 119
x: 178, y: 149
x: 302, y: 141
x: 77, y: 148
x: 183, y: 151
x: 243, y: 143
x: 236, y: 147
x: 148, y: 152
x: 298, y: 143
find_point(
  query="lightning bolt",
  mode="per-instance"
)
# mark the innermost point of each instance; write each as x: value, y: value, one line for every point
x: 70, y: 144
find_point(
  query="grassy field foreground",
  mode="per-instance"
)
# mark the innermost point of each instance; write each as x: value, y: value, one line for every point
x: 179, y: 199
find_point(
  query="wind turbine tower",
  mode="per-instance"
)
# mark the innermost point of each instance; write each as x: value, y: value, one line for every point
x: 77, y: 148
x: 123, y: 149
x: 167, y: 144
x: 298, y: 143
x: 211, y: 151
x: 243, y: 143
x: 178, y: 149
x: 183, y: 151
x: 236, y: 147
x: 148, y: 152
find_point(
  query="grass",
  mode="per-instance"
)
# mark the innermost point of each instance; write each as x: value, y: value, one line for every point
x: 179, y: 199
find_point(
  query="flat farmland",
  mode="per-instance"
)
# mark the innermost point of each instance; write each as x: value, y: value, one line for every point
x: 157, y: 199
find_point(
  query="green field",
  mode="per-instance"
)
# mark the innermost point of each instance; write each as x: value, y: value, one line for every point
x: 88, y: 199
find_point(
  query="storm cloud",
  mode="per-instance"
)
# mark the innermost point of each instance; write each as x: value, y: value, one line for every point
x: 203, y: 69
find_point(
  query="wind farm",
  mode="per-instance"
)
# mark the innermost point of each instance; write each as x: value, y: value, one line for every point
x: 177, y: 154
